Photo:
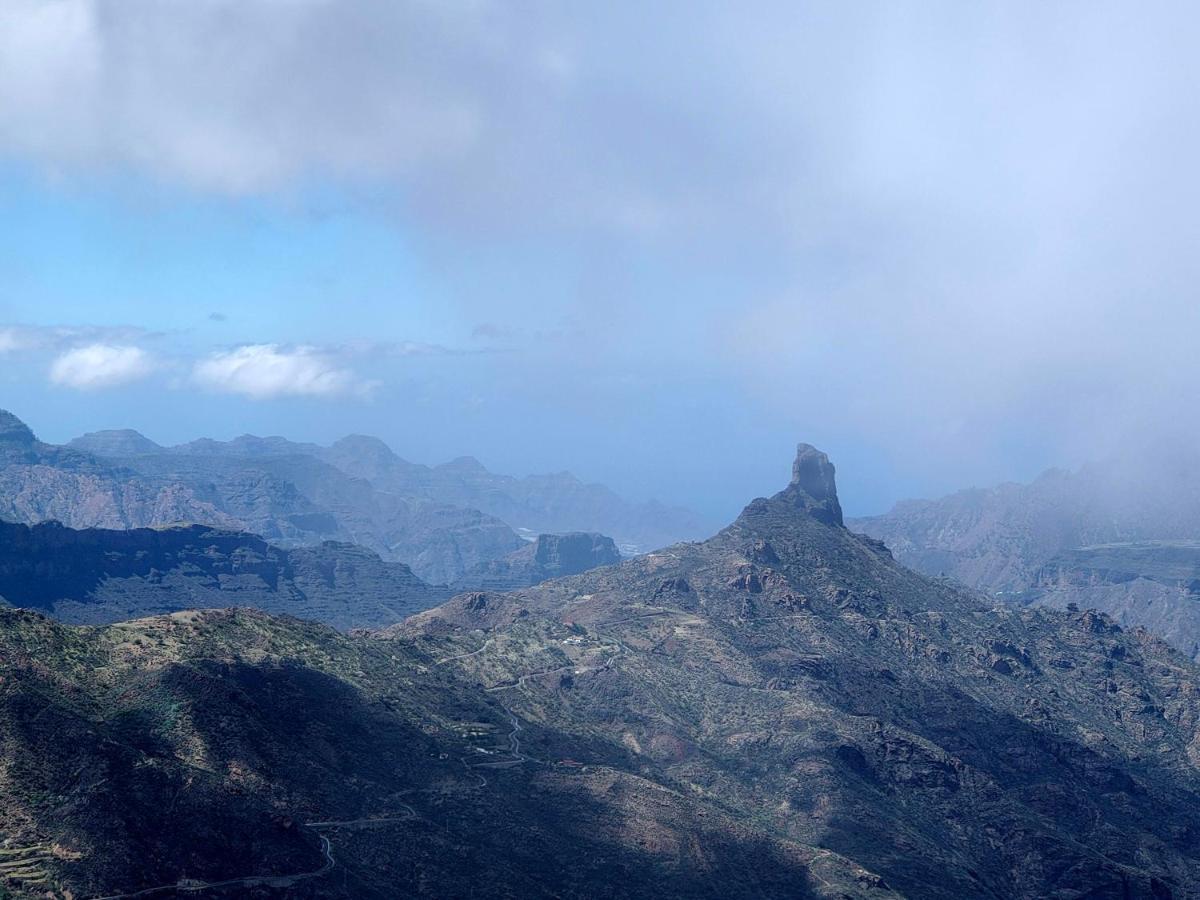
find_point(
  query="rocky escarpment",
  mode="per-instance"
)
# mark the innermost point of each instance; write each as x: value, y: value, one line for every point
x: 40, y: 482
x: 550, y: 556
x: 98, y: 576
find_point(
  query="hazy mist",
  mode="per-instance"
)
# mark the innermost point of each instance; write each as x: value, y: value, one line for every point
x: 950, y: 244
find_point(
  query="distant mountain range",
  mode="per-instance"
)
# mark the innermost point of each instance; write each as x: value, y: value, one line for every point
x: 1121, y: 537
x: 441, y: 521
x: 780, y: 711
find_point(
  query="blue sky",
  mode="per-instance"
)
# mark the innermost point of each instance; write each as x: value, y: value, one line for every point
x: 949, y: 244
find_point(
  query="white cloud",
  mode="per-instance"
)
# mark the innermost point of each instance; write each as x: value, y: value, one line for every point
x: 99, y: 366
x: 263, y: 371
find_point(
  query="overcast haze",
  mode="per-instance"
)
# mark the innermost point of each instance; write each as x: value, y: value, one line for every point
x: 949, y: 243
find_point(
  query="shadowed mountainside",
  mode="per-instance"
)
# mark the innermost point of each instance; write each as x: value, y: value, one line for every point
x: 96, y: 576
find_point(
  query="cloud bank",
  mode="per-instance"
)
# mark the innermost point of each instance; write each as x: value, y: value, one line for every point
x: 961, y: 231
x: 100, y: 366
x: 265, y: 371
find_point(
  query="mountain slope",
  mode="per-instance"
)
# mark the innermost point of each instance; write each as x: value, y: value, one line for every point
x: 96, y: 576
x: 40, y: 481
x: 1155, y: 584
x: 267, y: 757
x: 794, y: 673
x: 557, y: 502
x: 779, y: 711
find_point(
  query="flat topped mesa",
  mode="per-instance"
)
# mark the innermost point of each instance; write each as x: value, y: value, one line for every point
x: 813, y: 486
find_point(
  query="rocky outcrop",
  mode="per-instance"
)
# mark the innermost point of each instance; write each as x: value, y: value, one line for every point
x: 797, y: 672
x: 813, y: 487
x: 550, y: 556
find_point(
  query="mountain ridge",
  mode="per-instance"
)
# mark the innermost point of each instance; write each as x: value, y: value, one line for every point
x: 781, y: 710
x: 291, y: 499
x: 549, y: 503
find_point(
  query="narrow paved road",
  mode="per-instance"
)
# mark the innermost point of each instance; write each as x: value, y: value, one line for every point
x: 486, y: 644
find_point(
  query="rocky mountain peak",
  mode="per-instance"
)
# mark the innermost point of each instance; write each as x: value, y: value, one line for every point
x: 813, y: 486
x: 577, y: 551
x: 14, y: 432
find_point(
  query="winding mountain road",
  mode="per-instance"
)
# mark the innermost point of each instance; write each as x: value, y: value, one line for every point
x: 516, y: 757
x: 192, y: 886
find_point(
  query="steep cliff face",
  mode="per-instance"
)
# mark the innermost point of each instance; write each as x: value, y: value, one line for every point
x: 39, y: 482
x: 98, y: 576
